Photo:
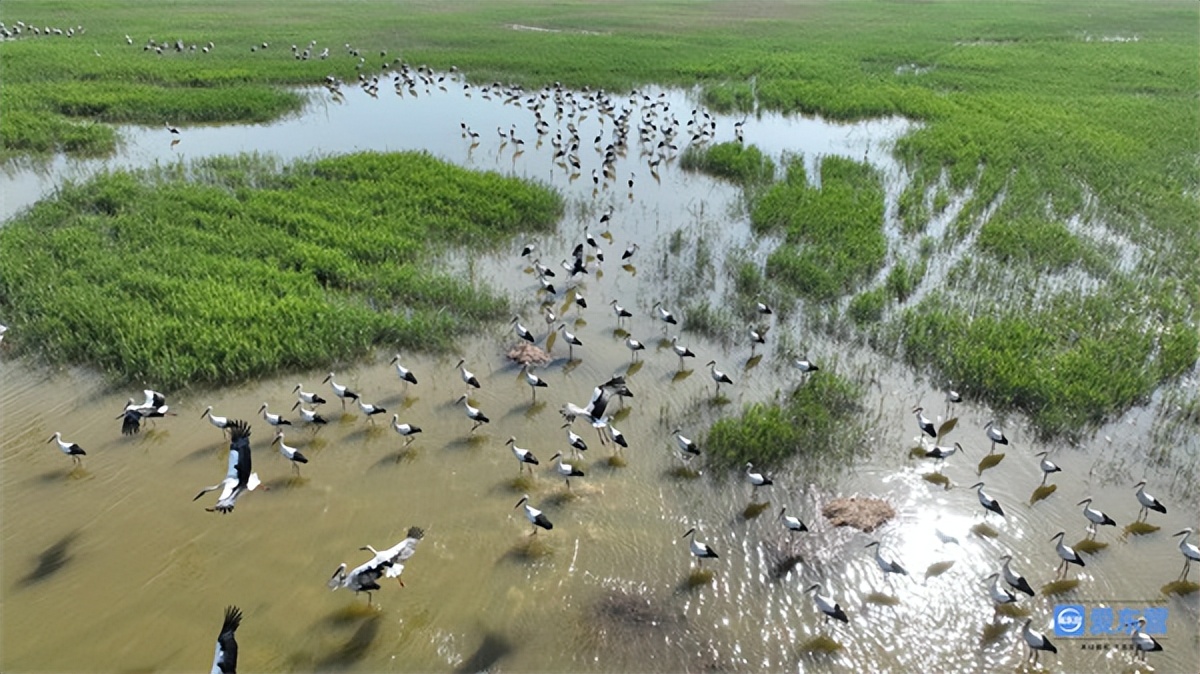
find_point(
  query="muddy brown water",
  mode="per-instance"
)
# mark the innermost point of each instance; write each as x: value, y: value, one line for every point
x: 112, y: 567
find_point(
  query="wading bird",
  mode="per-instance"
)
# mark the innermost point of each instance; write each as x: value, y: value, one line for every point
x: 805, y: 366
x: 633, y: 345
x: 340, y: 391
x: 571, y: 340
x: 535, y: 516
x: 685, y: 444
x: 663, y: 315
x: 924, y: 423
x: 629, y: 251
x: 369, y: 410
x: 763, y: 308
x: 306, y: 397
x: 239, y: 477
x: 1066, y: 553
x: 1143, y: 643
x: 404, y: 373
x: 1095, y: 517
x: 468, y: 377
x: 524, y: 456
x: 566, y: 470
x: 273, y: 419
x: 681, y: 351
x: 1014, y: 579
x: 995, y: 435
x: 621, y: 312
x: 757, y: 478
x: 941, y: 453
x: 1036, y: 641
x: 999, y: 594
x: 522, y: 331
x: 577, y: 444
x: 718, y: 376
x: 987, y: 501
x: 387, y: 563
x: 309, y: 416
x: 405, y: 430
x: 535, y: 382
x: 1190, y: 552
x: 886, y: 565
x: 1147, y: 502
x: 69, y: 448
x: 290, y: 453
x: 792, y: 524
x: 220, y: 422
x: 701, y: 551
x: 473, y: 413
x: 1047, y: 466
x: 225, y: 655
x: 827, y: 605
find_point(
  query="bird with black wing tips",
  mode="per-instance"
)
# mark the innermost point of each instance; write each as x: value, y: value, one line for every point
x: 225, y: 657
x: 239, y: 477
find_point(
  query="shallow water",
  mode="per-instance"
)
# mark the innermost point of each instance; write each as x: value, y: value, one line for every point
x: 146, y: 571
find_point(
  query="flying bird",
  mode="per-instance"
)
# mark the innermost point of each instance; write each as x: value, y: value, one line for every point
x: 238, y: 476
x: 225, y: 656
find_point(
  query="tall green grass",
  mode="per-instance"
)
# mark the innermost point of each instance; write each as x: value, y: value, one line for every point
x: 232, y: 268
x: 742, y: 164
x: 815, y: 422
x: 833, y: 234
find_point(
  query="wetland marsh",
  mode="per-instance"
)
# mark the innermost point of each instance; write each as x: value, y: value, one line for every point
x: 611, y: 586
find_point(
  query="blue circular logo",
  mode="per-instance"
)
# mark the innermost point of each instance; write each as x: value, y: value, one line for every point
x: 1068, y: 621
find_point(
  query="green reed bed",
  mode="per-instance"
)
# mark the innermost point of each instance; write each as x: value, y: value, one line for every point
x: 234, y: 267
x: 833, y: 234
x: 816, y: 421
x: 742, y: 164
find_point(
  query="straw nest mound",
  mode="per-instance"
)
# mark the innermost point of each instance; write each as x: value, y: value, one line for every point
x: 865, y: 514
x: 525, y: 353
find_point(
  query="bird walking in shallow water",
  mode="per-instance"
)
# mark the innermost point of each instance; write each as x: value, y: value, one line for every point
x: 1036, y: 641
x: 1147, y: 502
x: 535, y: 516
x: 473, y: 413
x: 995, y: 435
x: 1066, y: 553
x: 1190, y: 553
x: 718, y: 376
x: 1014, y: 579
x: 986, y: 501
x: 69, y: 448
x: 1094, y: 517
x: 1047, y: 466
x: 924, y: 423
x: 700, y: 551
x: 290, y: 453
x: 407, y: 431
x: 827, y: 605
x: 339, y: 390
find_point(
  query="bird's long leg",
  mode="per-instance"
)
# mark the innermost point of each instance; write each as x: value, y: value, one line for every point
x: 1044, y: 476
x: 1187, y: 566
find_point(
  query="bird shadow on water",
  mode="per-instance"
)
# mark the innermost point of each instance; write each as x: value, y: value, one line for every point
x: 494, y: 648
x: 64, y: 474
x: 470, y: 441
x: 404, y: 455
x: 354, y: 649
x: 292, y: 481
x: 51, y: 560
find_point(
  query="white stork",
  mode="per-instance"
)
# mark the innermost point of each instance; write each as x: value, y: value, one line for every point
x: 239, y: 477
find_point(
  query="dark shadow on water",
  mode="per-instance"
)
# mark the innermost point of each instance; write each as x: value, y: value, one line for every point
x: 51, y: 560
x: 405, y: 455
x: 469, y: 441
x: 355, y: 649
x: 494, y: 648
x: 680, y: 375
x: 989, y: 461
x: 1042, y: 492
x: 207, y: 452
x: 753, y: 509
x: 938, y: 568
x: 291, y: 481
x: 530, y: 548
x: 752, y: 362
x: 352, y: 613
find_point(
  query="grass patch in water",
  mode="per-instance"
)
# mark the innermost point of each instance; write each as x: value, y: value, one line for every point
x: 742, y: 164
x: 699, y: 576
x: 833, y: 235
x: 753, y: 510
x: 938, y: 479
x: 985, y: 530
x: 232, y: 268
x: 1012, y: 610
x: 1042, y: 492
x: 1057, y: 587
x: 1180, y: 587
x: 993, y: 631
x: 1140, y: 528
x: 815, y: 421
x: 821, y: 644
x: 1090, y: 546
x: 881, y: 599
x: 989, y: 461
x: 938, y: 568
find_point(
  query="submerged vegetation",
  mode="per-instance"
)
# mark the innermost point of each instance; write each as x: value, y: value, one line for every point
x: 815, y: 421
x: 234, y: 267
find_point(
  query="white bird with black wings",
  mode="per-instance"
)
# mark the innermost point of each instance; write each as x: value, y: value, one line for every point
x: 239, y: 478
x: 387, y: 563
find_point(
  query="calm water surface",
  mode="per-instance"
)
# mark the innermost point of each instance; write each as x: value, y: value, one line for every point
x: 114, y: 568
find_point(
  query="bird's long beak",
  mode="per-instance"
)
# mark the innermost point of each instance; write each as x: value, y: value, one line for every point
x: 296, y: 389
x: 50, y: 440
x: 296, y: 405
x: 204, y: 414
x: 326, y: 379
